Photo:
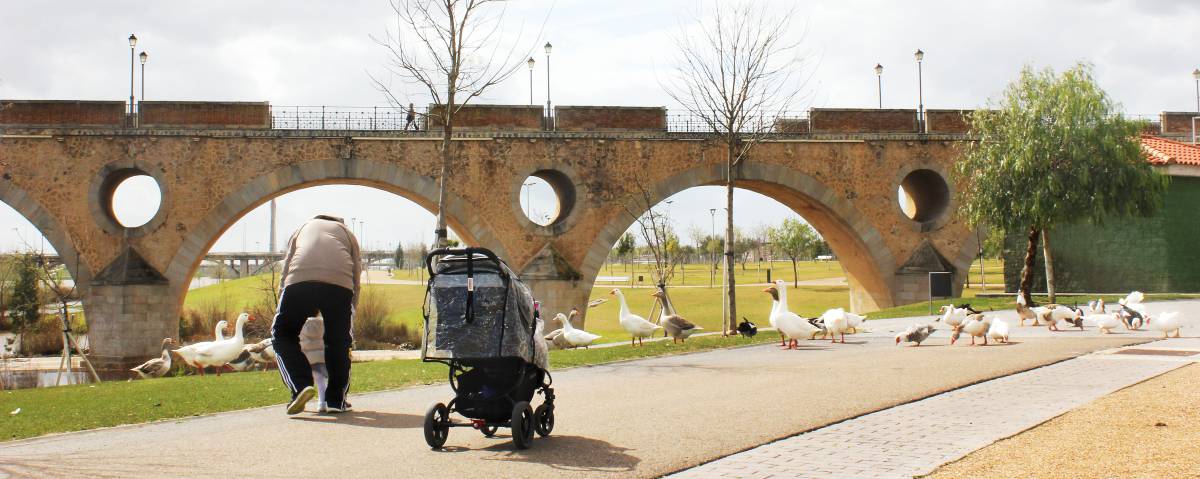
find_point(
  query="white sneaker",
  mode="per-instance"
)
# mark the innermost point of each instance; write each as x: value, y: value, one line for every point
x: 322, y: 407
x: 338, y: 410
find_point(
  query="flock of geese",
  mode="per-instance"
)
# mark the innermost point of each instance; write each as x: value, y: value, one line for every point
x: 1130, y: 313
x: 639, y: 328
x: 221, y: 352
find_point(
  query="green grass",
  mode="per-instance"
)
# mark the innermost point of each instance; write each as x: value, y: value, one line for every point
x: 82, y: 407
x: 697, y: 274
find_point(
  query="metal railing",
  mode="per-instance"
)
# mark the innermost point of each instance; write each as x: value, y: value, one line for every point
x: 372, y: 118
x: 775, y: 123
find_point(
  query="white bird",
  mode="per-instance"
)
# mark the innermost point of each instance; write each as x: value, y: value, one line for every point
x: 637, y: 326
x: 157, y: 367
x: 262, y: 352
x: 1096, y: 306
x: 1028, y: 313
x: 952, y: 316
x: 998, y: 331
x: 575, y: 337
x: 1134, y: 301
x: 1165, y: 323
x: 836, y: 323
x: 854, y: 321
x: 1105, y: 322
x: 187, y: 354
x: 556, y: 339
x: 773, y: 318
x: 976, y: 326
x: 1053, y: 313
x: 219, y: 353
x: 675, y: 325
x: 789, y: 323
x: 915, y: 334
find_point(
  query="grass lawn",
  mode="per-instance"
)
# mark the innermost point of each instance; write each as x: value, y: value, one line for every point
x: 82, y: 407
x: 697, y: 274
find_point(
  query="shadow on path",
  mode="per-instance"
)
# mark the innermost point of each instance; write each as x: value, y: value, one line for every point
x: 572, y: 453
x: 378, y: 419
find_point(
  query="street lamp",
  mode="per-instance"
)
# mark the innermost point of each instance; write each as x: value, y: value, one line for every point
x: 1196, y: 75
x: 920, y: 55
x: 132, y: 43
x: 143, y: 57
x: 712, y: 213
x: 879, y: 78
x: 548, y: 115
x: 530, y: 62
x: 528, y: 201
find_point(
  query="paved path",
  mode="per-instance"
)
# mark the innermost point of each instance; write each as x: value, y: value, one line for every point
x: 632, y: 419
x: 916, y: 438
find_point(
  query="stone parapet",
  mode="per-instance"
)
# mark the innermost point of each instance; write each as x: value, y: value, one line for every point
x: 601, y: 118
x: 204, y: 115
x: 862, y: 120
x: 62, y: 113
x: 489, y: 117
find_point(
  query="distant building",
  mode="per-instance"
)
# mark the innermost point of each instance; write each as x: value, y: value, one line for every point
x: 1156, y: 254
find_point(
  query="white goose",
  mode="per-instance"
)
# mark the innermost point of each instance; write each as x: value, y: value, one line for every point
x: 998, y: 332
x: 187, y: 354
x: 836, y: 323
x: 219, y: 353
x: 773, y: 318
x: 157, y: 367
x: 1165, y: 323
x: 976, y: 326
x: 952, y: 316
x: 575, y: 337
x: 1105, y: 322
x: 637, y: 326
x: 789, y: 323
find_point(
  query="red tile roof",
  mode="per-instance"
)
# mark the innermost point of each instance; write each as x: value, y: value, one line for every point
x: 1161, y: 151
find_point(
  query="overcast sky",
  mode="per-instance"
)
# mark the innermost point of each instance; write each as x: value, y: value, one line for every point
x: 605, y: 53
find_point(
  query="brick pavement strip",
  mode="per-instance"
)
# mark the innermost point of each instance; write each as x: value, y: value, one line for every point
x: 915, y: 438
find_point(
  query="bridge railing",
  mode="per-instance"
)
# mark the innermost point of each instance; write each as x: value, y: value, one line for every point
x: 371, y: 118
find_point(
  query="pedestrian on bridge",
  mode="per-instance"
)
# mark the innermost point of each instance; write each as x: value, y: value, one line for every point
x: 410, y: 118
x: 321, y: 273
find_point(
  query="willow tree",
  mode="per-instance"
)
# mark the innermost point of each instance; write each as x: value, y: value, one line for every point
x: 1054, y: 150
x: 453, y: 51
x: 738, y: 70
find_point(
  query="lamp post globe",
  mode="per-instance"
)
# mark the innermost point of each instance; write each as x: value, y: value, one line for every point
x: 549, y: 116
x: 920, y: 55
x: 143, y: 57
x: 132, y: 43
x: 879, y: 82
x: 530, y: 63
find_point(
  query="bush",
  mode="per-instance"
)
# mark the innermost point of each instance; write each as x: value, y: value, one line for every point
x: 372, y: 327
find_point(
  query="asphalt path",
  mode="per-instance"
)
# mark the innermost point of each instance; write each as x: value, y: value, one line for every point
x: 639, y: 418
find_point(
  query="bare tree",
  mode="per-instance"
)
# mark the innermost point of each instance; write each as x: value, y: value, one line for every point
x: 655, y: 229
x: 453, y: 51
x: 737, y: 72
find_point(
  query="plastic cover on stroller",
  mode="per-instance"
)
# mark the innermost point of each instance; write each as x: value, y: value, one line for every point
x: 494, y: 319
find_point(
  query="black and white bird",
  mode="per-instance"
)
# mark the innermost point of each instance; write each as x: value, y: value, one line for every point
x: 746, y: 328
x: 915, y: 334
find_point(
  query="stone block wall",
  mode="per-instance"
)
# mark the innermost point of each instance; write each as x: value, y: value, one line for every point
x: 126, y: 322
x: 490, y: 117
x: 204, y: 114
x: 1177, y: 123
x: 601, y: 118
x: 948, y: 121
x: 60, y: 113
x: 862, y: 120
x: 1156, y: 254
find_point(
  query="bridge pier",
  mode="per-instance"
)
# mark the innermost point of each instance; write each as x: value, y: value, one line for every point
x: 127, y: 322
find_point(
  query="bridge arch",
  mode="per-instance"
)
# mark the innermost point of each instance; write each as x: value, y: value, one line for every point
x: 868, y: 261
x: 46, y: 223
x: 381, y: 175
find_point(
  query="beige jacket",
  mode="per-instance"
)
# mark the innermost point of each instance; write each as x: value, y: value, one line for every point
x: 324, y: 250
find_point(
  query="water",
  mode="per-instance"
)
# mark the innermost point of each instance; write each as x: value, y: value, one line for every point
x: 24, y: 379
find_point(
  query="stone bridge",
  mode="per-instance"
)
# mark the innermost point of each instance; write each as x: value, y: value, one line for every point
x: 214, y: 162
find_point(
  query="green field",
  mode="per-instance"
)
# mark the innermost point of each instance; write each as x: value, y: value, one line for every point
x: 696, y: 274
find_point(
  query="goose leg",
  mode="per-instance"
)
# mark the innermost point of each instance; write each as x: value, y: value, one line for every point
x: 1177, y: 332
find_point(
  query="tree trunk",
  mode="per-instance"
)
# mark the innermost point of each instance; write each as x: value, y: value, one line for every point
x: 1049, y: 265
x: 795, y: 275
x: 439, y: 232
x: 1027, y: 268
x: 729, y: 239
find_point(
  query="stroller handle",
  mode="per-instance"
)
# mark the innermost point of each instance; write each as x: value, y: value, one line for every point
x: 439, y: 252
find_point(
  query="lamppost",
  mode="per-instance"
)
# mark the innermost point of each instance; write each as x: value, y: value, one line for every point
x: 920, y: 55
x: 143, y: 57
x: 1196, y: 75
x: 132, y: 43
x: 528, y: 200
x: 549, y: 116
x: 712, y: 213
x: 879, y: 79
x: 530, y: 62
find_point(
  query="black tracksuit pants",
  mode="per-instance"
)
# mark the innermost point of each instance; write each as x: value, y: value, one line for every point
x: 298, y: 302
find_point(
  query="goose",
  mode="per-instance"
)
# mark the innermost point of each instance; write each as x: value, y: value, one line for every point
x: 1134, y: 301
x: 556, y: 339
x: 854, y: 321
x: 953, y: 316
x: 836, y: 323
x: 1026, y: 312
x: 1165, y: 323
x: 187, y: 354
x: 915, y: 334
x: 243, y: 362
x: 1105, y: 322
x: 262, y: 352
x: 789, y: 323
x: 575, y: 337
x: 976, y: 326
x: 219, y: 353
x: 998, y: 331
x: 1053, y: 313
x: 1132, y: 318
x: 674, y: 324
x: 157, y: 367
x: 1096, y: 306
x: 637, y: 326
x: 773, y: 318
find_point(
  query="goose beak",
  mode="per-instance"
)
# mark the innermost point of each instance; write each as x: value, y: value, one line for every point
x: 897, y: 341
x: 613, y: 292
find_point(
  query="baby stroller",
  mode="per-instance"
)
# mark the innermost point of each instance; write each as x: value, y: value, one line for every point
x: 480, y: 320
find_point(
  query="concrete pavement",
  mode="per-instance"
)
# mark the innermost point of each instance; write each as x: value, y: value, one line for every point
x: 633, y: 419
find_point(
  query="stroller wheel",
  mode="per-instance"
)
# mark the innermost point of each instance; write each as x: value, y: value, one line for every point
x: 543, y: 418
x: 522, y: 425
x: 488, y: 431
x: 437, y: 425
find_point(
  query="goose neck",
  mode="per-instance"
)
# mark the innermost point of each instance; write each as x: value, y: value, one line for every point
x: 624, y: 307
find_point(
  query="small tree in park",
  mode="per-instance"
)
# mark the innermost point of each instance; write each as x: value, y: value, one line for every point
x: 398, y: 256
x: 1052, y: 151
x: 26, y: 303
x: 625, y: 247
x: 796, y: 240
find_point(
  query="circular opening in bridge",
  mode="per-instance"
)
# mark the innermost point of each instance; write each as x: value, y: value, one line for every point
x: 923, y: 195
x: 134, y: 198
x: 546, y: 197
